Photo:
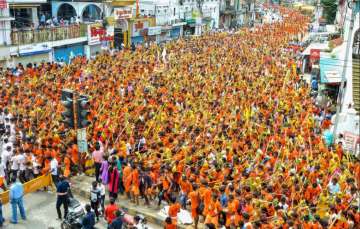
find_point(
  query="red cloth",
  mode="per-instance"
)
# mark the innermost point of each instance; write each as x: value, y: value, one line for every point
x: 114, y: 180
x: 110, y: 212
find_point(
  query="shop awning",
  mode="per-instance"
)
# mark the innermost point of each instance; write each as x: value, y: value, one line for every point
x: 190, y: 21
x: 330, y: 70
x: 320, y: 46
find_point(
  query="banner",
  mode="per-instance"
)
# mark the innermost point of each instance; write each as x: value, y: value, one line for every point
x: 156, y: 30
x: 123, y: 13
x: 30, y: 186
x: 352, y: 142
x: 95, y: 31
x: 314, y: 54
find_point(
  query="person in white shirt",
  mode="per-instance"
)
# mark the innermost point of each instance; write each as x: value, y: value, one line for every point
x: 2, y: 170
x: 21, y: 160
x: 5, y: 158
x: 54, y: 170
x: 14, y: 167
x: 101, y: 187
x: 36, y: 166
x: 6, y: 145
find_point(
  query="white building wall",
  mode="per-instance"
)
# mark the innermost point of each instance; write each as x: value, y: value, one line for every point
x: 348, y: 98
x: 78, y: 6
x: 167, y: 11
x: 5, y: 27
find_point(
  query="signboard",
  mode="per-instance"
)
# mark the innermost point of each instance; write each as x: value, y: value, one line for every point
x: 314, y: 54
x: 81, y: 140
x: 156, y: 30
x: 97, y: 34
x: 95, y: 31
x: 352, y: 142
x: 34, y: 49
x: 138, y: 26
x: 123, y: 13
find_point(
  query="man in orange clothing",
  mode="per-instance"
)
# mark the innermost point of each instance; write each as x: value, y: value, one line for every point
x: 110, y: 211
x: 212, y: 211
x: 185, y: 186
x: 169, y: 224
x: 174, y: 209
x: 194, y: 197
x: 135, y: 184
x: 126, y: 179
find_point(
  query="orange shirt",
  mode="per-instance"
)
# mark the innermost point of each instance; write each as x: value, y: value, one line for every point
x: 194, y: 198
x: 174, y: 209
x: 170, y: 226
x: 135, y: 177
x: 185, y: 186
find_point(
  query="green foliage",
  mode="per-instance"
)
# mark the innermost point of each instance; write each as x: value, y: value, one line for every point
x: 330, y: 8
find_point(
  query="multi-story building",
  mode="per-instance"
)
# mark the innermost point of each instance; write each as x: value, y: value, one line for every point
x: 58, y: 30
x: 232, y: 13
x: 5, y: 29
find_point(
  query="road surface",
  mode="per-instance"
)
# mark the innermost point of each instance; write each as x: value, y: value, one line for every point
x: 41, y: 213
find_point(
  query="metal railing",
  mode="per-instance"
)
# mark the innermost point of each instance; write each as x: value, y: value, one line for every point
x: 29, y: 36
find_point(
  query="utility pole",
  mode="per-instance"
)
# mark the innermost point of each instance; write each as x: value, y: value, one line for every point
x: 342, y: 88
x: 137, y: 9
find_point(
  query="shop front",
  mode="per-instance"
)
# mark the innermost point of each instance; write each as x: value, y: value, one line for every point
x: 35, y: 53
x: 121, y: 26
x: 139, y: 29
x: 153, y: 33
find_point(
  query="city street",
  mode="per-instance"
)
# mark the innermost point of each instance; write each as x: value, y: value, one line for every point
x: 41, y: 213
x: 183, y: 114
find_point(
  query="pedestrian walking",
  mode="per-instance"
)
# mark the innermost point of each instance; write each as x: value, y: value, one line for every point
x: 88, y: 221
x: 102, y: 189
x: 62, y: 191
x: 98, y: 155
x: 95, y: 197
x: 1, y: 215
x: 54, y: 170
x: 104, y: 169
x: 113, y: 181
x: 110, y: 211
x: 16, y: 200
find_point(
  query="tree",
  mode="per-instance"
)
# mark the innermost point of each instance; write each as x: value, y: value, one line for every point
x: 330, y: 8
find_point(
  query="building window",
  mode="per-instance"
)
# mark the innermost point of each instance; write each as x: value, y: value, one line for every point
x: 356, y: 45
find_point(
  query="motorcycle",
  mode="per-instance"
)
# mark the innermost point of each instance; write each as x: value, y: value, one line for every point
x: 74, y: 217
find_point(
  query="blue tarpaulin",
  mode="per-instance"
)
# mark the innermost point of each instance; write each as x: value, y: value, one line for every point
x: 330, y: 70
x: 64, y: 53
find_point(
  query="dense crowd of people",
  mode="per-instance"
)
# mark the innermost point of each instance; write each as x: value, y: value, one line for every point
x: 220, y: 125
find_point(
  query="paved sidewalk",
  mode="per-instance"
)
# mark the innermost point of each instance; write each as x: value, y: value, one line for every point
x: 81, y: 186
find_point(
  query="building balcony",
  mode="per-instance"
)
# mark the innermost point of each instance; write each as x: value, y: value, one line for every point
x: 120, y: 3
x: 29, y: 36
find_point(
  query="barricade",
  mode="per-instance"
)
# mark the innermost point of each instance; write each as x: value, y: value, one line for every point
x: 30, y: 186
